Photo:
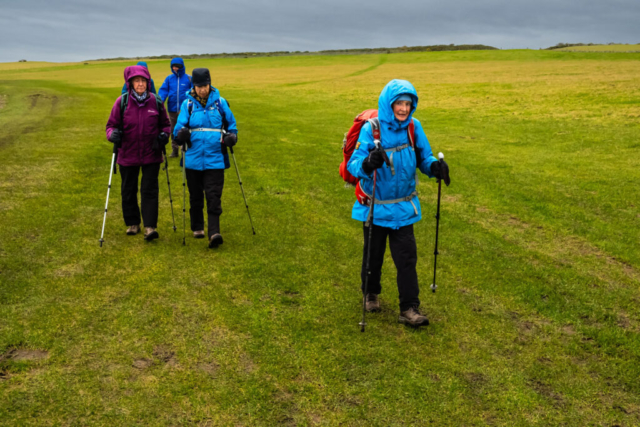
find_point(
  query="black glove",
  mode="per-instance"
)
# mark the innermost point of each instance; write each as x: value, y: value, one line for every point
x: 184, y: 137
x: 160, y: 142
x: 116, y: 137
x: 163, y: 138
x: 440, y: 170
x: 230, y: 139
x: 374, y: 161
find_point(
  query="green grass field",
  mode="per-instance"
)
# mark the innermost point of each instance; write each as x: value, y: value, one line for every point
x: 603, y: 48
x: 536, y: 320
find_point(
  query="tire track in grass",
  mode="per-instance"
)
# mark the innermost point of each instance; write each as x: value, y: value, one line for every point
x: 381, y: 61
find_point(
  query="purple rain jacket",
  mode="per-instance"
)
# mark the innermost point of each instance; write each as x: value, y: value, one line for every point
x: 142, y: 123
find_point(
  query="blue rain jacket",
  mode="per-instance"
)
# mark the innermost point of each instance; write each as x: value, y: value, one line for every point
x: 393, y: 133
x: 207, y: 151
x: 175, y: 87
x: 152, y: 85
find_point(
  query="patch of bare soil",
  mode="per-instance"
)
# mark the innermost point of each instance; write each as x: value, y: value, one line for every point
x: 165, y: 355
x: 21, y: 354
x: 209, y: 368
x: 142, y: 363
x: 161, y: 355
x: 546, y: 391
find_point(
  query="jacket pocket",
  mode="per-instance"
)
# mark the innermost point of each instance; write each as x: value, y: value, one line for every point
x: 151, y: 123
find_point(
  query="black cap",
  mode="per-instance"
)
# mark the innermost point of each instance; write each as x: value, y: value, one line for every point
x: 201, y: 77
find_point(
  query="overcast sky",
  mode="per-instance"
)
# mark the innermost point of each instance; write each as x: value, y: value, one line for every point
x: 75, y: 30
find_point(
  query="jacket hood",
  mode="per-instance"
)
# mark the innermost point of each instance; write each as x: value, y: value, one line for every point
x: 144, y: 64
x: 136, y: 71
x: 391, y: 92
x: 178, y: 61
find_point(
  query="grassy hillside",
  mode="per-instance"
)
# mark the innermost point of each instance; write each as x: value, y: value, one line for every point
x: 535, y: 322
x: 603, y: 48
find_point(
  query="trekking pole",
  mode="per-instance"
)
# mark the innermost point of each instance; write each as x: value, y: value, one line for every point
x: 370, y: 222
x: 242, y: 188
x: 113, y: 169
x: 366, y: 280
x: 184, y: 202
x: 166, y: 168
x: 435, y: 251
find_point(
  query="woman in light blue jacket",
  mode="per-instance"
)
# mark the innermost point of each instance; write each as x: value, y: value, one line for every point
x: 397, y: 206
x: 205, y: 129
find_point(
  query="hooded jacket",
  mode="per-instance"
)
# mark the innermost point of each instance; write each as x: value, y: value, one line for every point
x: 402, y: 183
x: 152, y: 85
x: 207, y: 151
x: 175, y: 86
x: 141, y: 123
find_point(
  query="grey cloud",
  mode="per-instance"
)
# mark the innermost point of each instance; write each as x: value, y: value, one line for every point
x: 76, y: 30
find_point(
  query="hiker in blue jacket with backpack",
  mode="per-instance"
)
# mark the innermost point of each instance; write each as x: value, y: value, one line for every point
x: 174, y: 90
x: 205, y: 129
x: 396, y: 206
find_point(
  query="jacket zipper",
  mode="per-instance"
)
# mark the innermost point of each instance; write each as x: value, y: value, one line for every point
x: 178, y: 92
x: 139, y: 137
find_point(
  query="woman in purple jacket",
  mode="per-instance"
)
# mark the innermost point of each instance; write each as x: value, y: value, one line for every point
x: 139, y: 127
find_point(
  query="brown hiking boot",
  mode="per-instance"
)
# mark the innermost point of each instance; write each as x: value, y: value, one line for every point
x: 215, y: 241
x: 413, y: 317
x: 133, y: 230
x: 198, y: 234
x: 150, y: 234
x: 372, y: 304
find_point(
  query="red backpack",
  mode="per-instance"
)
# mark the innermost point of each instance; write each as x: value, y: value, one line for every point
x: 351, y: 139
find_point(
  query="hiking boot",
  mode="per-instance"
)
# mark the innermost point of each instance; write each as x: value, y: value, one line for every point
x: 133, y: 230
x: 372, y: 304
x: 413, y: 317
x: 198, y: 234
x: 174, y: 153
x: 215, y: 241
x: 150, y: 234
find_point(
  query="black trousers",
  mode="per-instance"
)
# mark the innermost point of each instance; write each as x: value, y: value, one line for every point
x: 173, y: 118
x: 404, y: 252
x: 210, y: 182
x: 148, y: 193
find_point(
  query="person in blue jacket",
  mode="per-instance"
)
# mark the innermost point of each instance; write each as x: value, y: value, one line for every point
x: 397, y: 206
x: 205, y: 129
x: 152, y: 85
x: 175, y: 88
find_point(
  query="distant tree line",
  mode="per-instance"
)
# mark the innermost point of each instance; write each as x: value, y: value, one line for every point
x: 432, y: 48
x: 562, y: 45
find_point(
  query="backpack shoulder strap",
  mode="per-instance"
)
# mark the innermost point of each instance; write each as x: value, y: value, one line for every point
x: 411, y: 129
x: 225, y: 124
x: 412, y: 133
x: 158, y: 102
x: 124, y: 101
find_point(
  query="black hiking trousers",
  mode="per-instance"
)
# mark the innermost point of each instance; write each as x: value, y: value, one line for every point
x: 404, y: 252
x: 210, y: 182
x: 173, y: 118
x: 148, y: 194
